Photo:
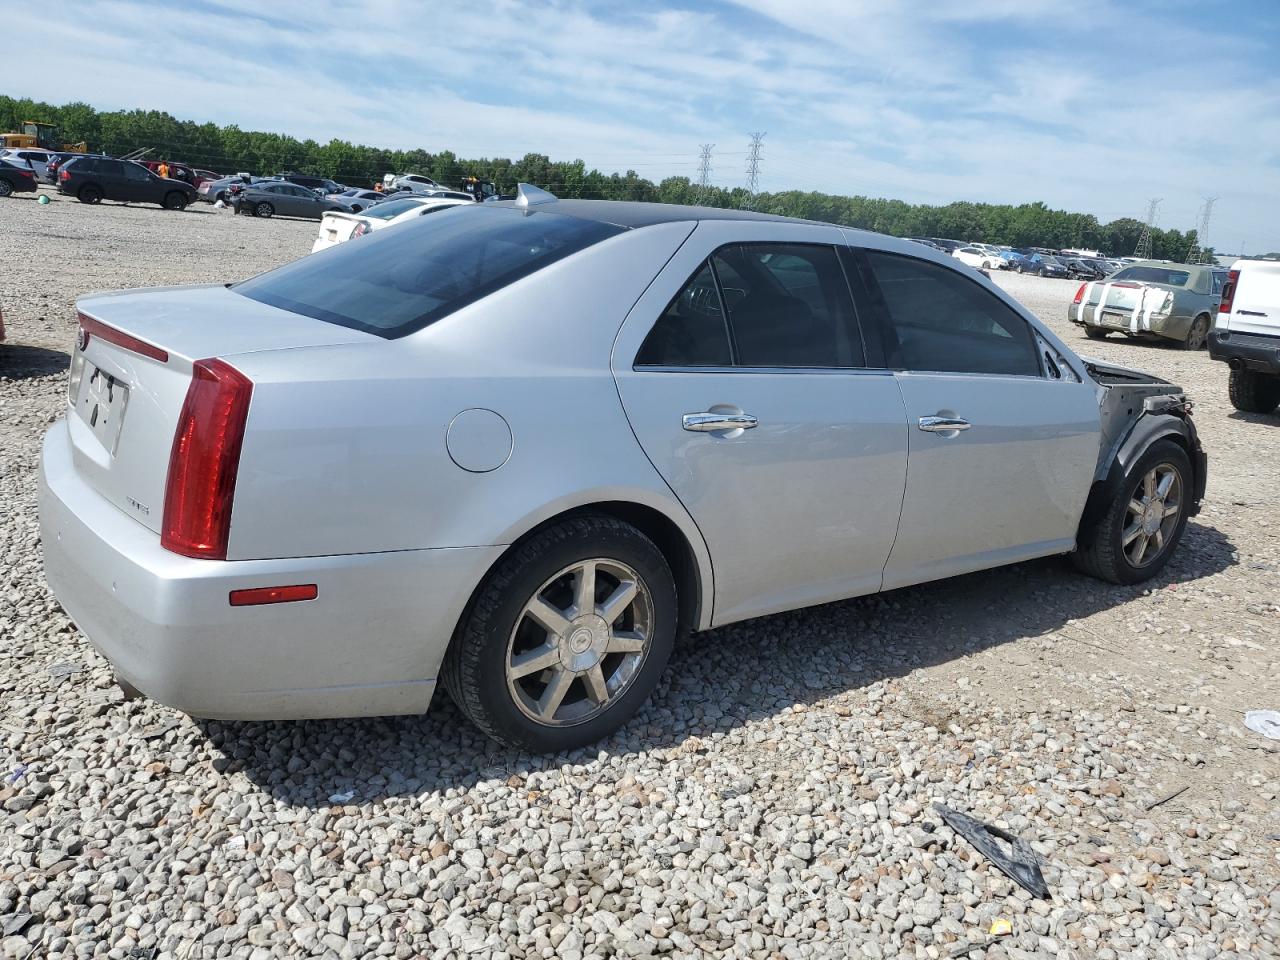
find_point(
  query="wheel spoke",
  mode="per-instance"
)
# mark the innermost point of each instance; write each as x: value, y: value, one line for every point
x: 1131, y: 534
x: 584, y: 588
x: 1165, y: 482
x: 596, y: 687
x: 1158, y: 537
x: 1149, y: 485
x: 1171, y: 509
x: 1140, y: 548
x: 553, y: 695
x: 551, y: 619
x: 618, y: 601
x: 1137, y: 507
x: 625, y: 641
x: 534, y: 661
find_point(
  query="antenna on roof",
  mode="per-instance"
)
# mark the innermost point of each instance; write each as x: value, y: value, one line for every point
x: 527, y: 195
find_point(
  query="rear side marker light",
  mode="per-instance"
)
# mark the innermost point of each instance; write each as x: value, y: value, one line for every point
x: 204, y: 461
x: 260, y: 595
x: 1229, y: 291
x: 89, y: 327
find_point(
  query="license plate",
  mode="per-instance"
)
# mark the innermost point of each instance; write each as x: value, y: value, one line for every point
x: 101, y: 405
x: 1112, y: 319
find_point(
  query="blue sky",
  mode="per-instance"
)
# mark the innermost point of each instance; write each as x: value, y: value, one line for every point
x: 1089, y: 105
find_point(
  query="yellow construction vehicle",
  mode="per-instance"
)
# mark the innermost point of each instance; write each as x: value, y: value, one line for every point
x: 40, y: 135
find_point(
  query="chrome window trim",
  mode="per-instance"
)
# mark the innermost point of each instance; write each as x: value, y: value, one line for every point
x: 821, y: 371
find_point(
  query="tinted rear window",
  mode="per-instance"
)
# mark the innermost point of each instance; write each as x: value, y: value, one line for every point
x: 1172, y: 278
x: 393, y: 208
x: 395, y: 282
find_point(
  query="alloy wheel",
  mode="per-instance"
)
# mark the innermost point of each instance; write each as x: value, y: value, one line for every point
x: 1198, y: 333
x: 579, y: 642
x: 1152, y: 515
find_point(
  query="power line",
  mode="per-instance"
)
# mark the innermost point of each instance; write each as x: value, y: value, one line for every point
x: 1196, y: 253
x: 753, y: 168
x: 1143, y: 250
x: 704, y: 171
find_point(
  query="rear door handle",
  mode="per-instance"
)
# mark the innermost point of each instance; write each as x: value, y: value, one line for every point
x: 942, y: 424
x: 713, y: 422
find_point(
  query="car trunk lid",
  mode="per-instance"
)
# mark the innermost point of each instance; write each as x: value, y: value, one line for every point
x: 1123, y: 304
x: 131, y: 368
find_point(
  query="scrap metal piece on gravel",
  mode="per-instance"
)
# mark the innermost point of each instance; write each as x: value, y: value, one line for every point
x: 1019, y: 865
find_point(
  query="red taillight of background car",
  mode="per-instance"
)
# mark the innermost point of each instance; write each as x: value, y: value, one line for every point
x: 205, y: 460
x: 1229, y: 291
x: 360, y: 229
x: 64, y: 174
x: 1079, y: 297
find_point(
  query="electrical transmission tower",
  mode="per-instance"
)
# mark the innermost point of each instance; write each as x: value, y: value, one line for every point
x: 753, y: 168
x: 1143, y: 249
x: 1196, y: 254
x: 704, y: 172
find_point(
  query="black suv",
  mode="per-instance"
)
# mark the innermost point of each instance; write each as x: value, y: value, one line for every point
x: 92, y: 179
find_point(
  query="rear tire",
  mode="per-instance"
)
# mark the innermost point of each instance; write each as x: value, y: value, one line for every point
x: 1254, y: 392
x: 624, y: 654
x: 90, y: 194
x: 1095, y: 333
x: 6, y: 188
x: 1111, y: 545
x: 264, y: 210
x: 1198, y: 334
x: 174, y: 201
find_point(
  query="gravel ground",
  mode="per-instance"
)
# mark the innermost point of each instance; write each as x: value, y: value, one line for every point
x: 773, y: 800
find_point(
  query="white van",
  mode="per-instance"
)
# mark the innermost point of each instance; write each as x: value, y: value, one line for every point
x: 1246, y: 334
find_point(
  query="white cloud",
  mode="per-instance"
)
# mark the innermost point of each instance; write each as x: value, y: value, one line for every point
x: 1004, y: 100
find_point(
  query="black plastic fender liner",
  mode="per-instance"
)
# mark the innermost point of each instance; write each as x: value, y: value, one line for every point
x: 1020, y: 864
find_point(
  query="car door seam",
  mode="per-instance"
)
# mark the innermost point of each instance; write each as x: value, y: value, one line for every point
x: 906, y: 475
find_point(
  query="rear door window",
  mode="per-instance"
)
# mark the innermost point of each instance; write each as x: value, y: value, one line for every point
x: 395, y: 282
x: 692, y: 331
x: 938, y: 320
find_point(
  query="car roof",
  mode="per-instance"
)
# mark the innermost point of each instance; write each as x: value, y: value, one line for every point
x: 632, y: 213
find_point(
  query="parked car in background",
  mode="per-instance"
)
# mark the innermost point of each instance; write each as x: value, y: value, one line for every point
x: 338, y: 227
x: 36, y: 159
x: 924, y: 241
x: 203, y: 175
x: 211, y: 191
x: 1149, y: 299
x: 176, y: 171
x: 269, y: 198
x: 1246, y: 334
x: 16, y: 178
x: 55, y: 164
x: 976, y: 257
x: 91, y: 179
x: 945, y: 245
x: 1079, y: 268
x: 353, y: 199
x: 1042, y: 265
x: 412, y: 182
x: 323, y: 185
x: 350, y: 484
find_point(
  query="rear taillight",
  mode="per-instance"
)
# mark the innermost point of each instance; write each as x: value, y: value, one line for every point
x: 1229, y: 291
x: 205, y: 460
x: 64, y: 174
x: 1079, y: 297
x: 359, y: 230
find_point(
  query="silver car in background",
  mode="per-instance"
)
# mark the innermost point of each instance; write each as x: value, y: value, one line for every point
x: 1152, y: 300
x: 517, y: 448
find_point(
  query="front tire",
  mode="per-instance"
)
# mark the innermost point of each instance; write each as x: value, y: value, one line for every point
x: 1134, y: 537
x: 174, y: 201
x: 1198, y: 334
x: 566, y: 637
x: 90, y: 194
x: 1254, y: 392
x: 264, y: 210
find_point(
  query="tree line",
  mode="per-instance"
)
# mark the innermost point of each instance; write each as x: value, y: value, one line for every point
x: 228, y: 149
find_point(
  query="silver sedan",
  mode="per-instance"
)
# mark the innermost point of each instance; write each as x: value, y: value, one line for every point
x: 517, y: 448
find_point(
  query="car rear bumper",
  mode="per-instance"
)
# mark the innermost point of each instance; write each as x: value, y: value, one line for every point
x: 370, y: 644
x: 1250, y: 351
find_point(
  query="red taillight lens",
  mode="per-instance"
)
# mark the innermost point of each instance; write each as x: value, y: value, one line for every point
x: 260, y: 595
x: 89, y: 327
x: 1229, y: 291
x: 359, y: 230
x: 1079, y: 297
x: 64, y: 174
x: 205, y: 460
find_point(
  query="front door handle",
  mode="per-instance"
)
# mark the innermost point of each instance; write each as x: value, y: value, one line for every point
x: 942, y: 424
x: 714, y: 422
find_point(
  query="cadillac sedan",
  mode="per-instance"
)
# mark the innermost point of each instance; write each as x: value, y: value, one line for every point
x: 517, y: 448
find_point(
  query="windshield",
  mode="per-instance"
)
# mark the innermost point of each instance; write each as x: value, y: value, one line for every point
x: 1170, y: 278
x: 395, y: 282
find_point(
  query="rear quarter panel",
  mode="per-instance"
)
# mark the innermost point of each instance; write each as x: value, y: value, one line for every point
x: 346, y: 446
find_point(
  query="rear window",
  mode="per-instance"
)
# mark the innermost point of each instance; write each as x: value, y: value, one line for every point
x: 392, y: 208
x: 395, y: 282
x: 1171, y: 278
